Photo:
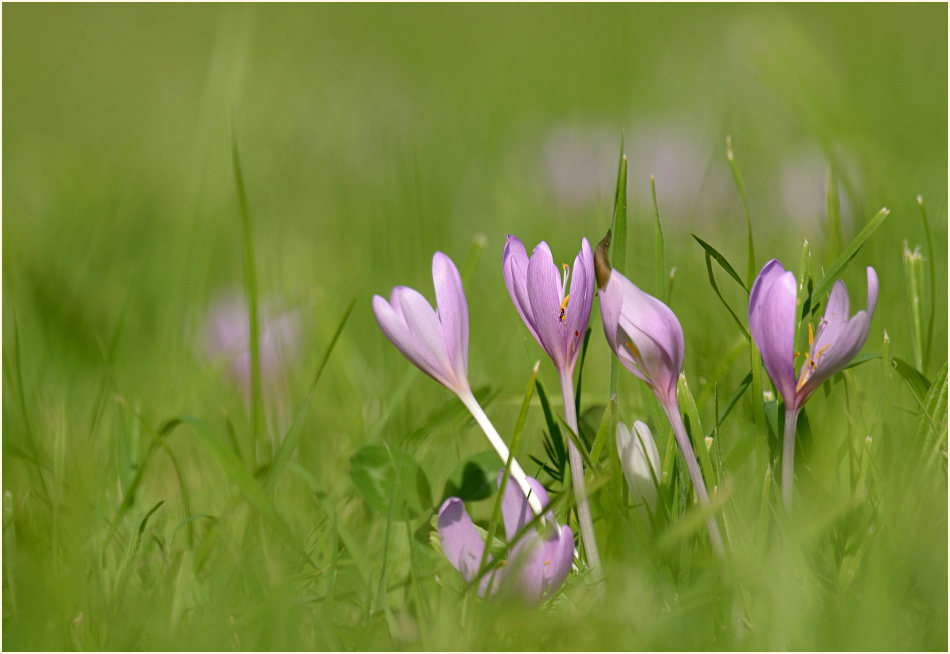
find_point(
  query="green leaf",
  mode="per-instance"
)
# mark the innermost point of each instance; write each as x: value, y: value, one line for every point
x: 919, y: 384
x: 618, y: 253
x: 834, y: 272
x: 861, y: 358
x: 473, y: 478
x: 385, y: 474
x: 659, y: 253
x: 721, y: 260
x: 737, y: 175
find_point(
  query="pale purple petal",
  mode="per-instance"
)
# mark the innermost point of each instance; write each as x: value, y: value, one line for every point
x: 838, y: 343
x: 392, y: 322
x: 772, y: 307
x: 459, y: 539
x: 515, y: 510
x: 541, y: 565
x: 452, y: 312
x: 515, y: 269
x: 425, y: 326
x: 611, y: 302
x: 654, y: 330
x: 544, y: 293
x: 577, y: 312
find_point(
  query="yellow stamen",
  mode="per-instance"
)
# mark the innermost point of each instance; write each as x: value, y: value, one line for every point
x: 811, y: 336
x: 547, y: 563
x: 633, y: 348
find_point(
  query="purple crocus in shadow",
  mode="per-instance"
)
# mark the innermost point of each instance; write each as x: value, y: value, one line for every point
x: 539, y: 560
x: 556, y: 310
x: 646, y: 336
x: 436, y: 341
x: 772, y: 318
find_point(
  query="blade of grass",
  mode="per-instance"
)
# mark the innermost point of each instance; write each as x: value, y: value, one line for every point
x: 250, y: 289
x: 722, y: 261
x: 292, y: 437
x: 515, y: 441
x: 822, y: 287
x: 933, y: 281
x: 715, y: 287
x: 834, y: 216
x: 580, y: 372
x: 659, y: 248
x: 737, y: 175
x: 618, y: 253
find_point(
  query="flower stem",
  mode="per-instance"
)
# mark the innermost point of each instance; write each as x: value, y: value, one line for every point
x: 517, y: 473
x: 577, y: 477
x: 788, y: 455
x: 682, y: 439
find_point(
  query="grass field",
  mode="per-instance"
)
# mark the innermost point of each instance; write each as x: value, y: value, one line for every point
x: 161, y: 493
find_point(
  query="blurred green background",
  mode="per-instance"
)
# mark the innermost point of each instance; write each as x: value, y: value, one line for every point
x: 370, y: 137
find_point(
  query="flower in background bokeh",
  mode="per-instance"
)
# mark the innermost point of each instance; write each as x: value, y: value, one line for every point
x: 773, y: 309
x: 538, y: 563
x: 228, y: 335
x: 640, y: 461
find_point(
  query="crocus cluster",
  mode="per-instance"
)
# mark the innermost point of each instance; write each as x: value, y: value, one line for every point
x: 647, y: 338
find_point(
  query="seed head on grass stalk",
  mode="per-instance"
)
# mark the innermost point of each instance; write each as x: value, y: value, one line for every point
x: 646, y: 336
x: 556, y: 310
x: 436, y: 341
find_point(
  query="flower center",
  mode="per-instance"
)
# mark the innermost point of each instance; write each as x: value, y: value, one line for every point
x: 810, y: 364
x: 565, y: 275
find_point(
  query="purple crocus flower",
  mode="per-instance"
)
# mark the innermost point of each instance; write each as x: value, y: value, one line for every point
x: 557, y: 316
x: 772, y: 318
x: 436, y: 341
x: 539, y: 561
x: 556, y: 310
x: 646, y: 336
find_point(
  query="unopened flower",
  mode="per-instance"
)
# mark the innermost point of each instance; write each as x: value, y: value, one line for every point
x: 537, y: 564
x: 640, y: 461
x: 646, y: 336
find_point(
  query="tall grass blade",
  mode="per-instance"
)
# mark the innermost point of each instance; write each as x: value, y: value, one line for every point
x: 292, y: 437
x: 740, y: 184
x: 931, y: 268
x: 250, y: 290
x: 659, y: 248
x: 722, y: 261
x: 834, y: 271
x: 834, y: 216
x: 618, y: 253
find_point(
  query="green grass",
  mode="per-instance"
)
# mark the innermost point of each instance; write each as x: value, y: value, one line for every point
x: 148, y: 505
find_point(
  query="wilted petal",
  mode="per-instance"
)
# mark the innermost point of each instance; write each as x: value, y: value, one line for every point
x: 772, y: 307
x: 452, y: 311
x: 640, y: 466
x: 460, y: 542
x: 515, y: 510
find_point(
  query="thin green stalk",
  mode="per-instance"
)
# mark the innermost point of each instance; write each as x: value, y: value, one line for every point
x: 692, y: 466
x: 659, y: 253
x: 913, y: 262
x: 788, y: 454
x: 577, y: 477
x: 737, y: 175
x: 933, y: 281
x: 250, y: 288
